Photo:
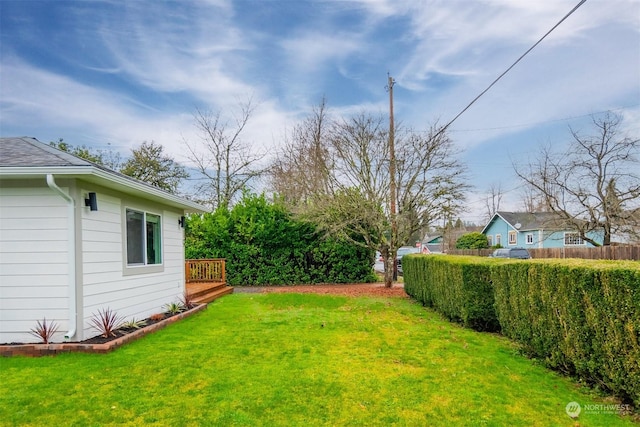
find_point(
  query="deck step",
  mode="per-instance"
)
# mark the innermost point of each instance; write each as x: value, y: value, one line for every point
x: 196, y: 290
x: 212, y: 294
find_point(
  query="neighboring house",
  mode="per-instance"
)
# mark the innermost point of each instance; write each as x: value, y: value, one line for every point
x: 433, y: 244
x: 628, y: 233
x: 533, y: 230
x: 76, y: 238
x: 445, y: 240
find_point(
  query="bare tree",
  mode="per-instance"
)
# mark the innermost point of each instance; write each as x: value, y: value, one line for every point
x: 493, y: 200
x: 225, y: 161
x: 354, y: 203
x: 301, y: 168
x: 428, y: 178
x: 532, y: 200
x: 595, y: 185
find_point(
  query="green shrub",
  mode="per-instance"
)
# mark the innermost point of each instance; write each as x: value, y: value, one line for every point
x: 475, y: 240
x: 264, y: 245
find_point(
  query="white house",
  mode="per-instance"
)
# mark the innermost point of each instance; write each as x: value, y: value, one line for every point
x: 76, y: 238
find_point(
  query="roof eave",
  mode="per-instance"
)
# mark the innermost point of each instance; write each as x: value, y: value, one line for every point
x: 493, y: 218
x: 123, y: 184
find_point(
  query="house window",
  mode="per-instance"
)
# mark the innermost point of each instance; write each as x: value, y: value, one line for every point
x: 490, y: 240
x: 513, y: 237
x: 144, y: 240
x: 498, y: 240
x: 571, y: 239
x: 529, y: 237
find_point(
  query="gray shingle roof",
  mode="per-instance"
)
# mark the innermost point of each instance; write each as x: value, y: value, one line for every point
x: 533, y: 220
x: 21, y: 156
x: 29, y: 152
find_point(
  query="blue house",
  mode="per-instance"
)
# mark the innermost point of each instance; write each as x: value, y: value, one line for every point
x: 533, y: 230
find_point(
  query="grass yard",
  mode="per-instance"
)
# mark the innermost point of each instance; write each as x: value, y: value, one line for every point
x: 293, y: 359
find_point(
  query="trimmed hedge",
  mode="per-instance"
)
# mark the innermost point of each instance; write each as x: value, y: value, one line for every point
x: 458, y: 287
x: 581, y: 317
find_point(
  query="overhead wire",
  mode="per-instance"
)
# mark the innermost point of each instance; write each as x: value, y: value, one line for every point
x: 445, y: 127
x: 564, y: 119
x: 576, y: 7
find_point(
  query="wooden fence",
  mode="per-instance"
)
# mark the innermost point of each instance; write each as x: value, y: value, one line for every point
x: 602, y: 252
x: 204, y: 270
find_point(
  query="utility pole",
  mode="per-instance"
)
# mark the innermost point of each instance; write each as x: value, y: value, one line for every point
x: 392, y: 181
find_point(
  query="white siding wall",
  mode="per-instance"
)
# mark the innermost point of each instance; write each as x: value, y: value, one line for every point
x: 105, y: 283
x: 174, y: 248
x: 34, y: 262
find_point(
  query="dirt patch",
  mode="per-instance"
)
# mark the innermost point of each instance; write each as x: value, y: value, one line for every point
x: 352, y: 289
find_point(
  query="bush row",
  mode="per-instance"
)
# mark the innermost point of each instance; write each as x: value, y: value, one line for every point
x: 264, y: 245
x: 458, y: 287
x: 580, y: 317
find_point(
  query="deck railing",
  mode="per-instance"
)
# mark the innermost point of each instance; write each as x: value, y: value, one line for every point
x: 204, y: 270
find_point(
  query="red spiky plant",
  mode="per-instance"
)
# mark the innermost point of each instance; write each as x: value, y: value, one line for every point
x: 44, y: 330
x: 106, y: 322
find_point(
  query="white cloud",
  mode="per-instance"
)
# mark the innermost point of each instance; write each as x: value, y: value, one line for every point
x: 311, y: 51
x: 197, y: 51
x: 145, y: 66
x: 581, y: 68
x: 49, y: 106
x: 31, y: 94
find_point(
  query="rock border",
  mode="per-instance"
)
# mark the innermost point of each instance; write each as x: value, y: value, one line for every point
x: 38, y: 350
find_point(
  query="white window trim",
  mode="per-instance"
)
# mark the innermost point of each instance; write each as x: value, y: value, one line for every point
x: 529, y: 238
x: 129, y: 269
x: 498, y: 239
x: 573, y: 244
x: 515, y: 240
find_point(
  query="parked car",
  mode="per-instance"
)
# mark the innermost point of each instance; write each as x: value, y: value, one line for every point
x: 402, y: 251
x: 518, y: 253
x: 378, y: 265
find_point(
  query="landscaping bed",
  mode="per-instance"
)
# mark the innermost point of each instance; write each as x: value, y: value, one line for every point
x: 97, y: 344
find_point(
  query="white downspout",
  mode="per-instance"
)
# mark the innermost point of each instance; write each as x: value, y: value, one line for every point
x: 72, y: 254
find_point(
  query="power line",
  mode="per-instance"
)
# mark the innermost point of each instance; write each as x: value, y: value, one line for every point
x: 543, y: 122
x: 521, y: 125
x: 512, y: 65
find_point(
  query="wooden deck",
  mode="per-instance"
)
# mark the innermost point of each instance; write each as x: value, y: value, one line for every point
x: 205, y: 280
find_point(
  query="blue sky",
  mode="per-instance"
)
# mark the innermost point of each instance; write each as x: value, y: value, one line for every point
x: 116, y: 73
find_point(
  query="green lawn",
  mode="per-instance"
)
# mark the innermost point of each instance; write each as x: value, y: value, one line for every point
x: 291, y: 359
